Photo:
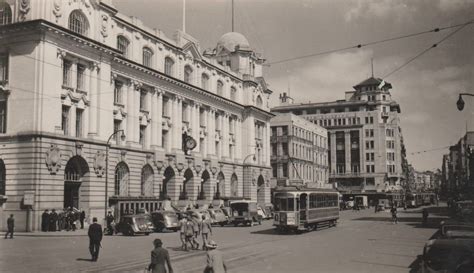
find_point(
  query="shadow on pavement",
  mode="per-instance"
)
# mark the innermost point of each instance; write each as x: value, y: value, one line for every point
x: 83, y: 260
x: 272, y: 231
x: 415, y: 266
x: 433, y: 221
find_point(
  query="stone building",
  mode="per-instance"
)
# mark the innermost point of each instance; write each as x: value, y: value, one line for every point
x: 299, y: 151
x: 364, y: 135
x: 78, y: 75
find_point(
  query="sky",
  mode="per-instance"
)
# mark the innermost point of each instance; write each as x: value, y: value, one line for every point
x: 426, y: 89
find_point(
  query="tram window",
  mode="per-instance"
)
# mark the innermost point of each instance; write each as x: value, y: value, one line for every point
x: 291, y: 204
x: 283, y: 205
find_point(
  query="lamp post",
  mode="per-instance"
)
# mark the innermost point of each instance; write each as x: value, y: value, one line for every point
x: 460, y: 102
x: 122, y: 137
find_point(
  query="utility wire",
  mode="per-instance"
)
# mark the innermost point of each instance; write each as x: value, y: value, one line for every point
x: 371, y: 43
x: 430, y: 150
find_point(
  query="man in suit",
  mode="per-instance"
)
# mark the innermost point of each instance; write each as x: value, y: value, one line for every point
x: 159, y: 256
x: 45, y: 220
x: 215, y: 261
x: 82, y: 217
x: 205, y: 230
x: 10, y: 226
x: 95, y: 237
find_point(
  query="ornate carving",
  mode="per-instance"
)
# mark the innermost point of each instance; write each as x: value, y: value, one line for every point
x: 79, y: 146
x: 149, y: 158
x: 24, y: 8
x: 213, y: 170
x: 198, y: 168
x: 123, y: 155
x: 57, y: 9
x: 53, y: 159
x: 99, y: 163
x: 104, y: 26
x: 61, y: 53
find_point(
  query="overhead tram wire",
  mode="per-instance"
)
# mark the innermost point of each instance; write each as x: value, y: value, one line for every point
x: 430, y: 150
x: 371, y: 43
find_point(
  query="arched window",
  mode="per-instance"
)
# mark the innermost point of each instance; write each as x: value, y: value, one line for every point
x: 205, y: 81
x: 259, y: 101
x: 5, y: 14
x: 78, y: 22
x: 121, y: 179
x: 147, y: 57
x: 122, y: 45
x: 233, y: 93
x: 3, y: 175
x: 220, y: 88
x: 188, y: 74
x: 147, y: 181
x: 234, y: 185
x: 169, y: 63
x: 221, y: 184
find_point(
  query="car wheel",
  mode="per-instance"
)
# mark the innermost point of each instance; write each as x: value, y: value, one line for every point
x: 222, y: 224
x: 147, y: 233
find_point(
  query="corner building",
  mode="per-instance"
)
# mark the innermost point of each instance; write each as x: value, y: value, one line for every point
x: 364, y: 137
x: 73, y: 73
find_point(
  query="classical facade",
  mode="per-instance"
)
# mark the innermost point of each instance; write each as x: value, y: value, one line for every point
x: 364, y: 136
x: 299, y: 152
x: 78, y: 76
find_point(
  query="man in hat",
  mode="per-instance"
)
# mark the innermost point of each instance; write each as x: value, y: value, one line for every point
x: 95, y: 237
x: 53, y: 220
x: 182, y: 232
x: 82, y: 217
x: 205, y: 228
x: 215, y: 261
x: 10, y: 226
x: 110, y: 219
x: 45, y: 220
x: 159, y: 256
x: 189, y: 232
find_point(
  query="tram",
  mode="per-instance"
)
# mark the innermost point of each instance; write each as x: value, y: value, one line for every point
x: 298, y: 208
x: 416, y: 199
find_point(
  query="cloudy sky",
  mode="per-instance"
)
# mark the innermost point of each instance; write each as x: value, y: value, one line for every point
x: 280, y: 29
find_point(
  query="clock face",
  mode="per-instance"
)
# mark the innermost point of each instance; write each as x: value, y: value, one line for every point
x: 190, y: 143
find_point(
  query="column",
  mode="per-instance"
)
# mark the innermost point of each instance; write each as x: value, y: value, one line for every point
x: 72, y: 120
x: 174, y: 123
x: 238, y: 138
x: 154, y: 117
x: 347, y: 146
x: 197, y: 126
x: 94, y: 75
x: 136, y: 112
x: 159, y: 117
x: 333, y: 151
x: 210, y: 131
x: 130, y: 112
x: 179, y: 123
x: 225, y: 135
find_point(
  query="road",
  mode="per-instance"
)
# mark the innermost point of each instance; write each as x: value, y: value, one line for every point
x: 363, y: 241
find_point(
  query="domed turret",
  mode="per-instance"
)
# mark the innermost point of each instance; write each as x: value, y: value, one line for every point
x: 231, y: 40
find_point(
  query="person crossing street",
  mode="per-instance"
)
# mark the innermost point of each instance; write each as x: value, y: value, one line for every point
x: 205, y: 228
x: 95, y: 238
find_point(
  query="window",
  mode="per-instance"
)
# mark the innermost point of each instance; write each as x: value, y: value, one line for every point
x: 3, y: 115
x: 117, y: 126
x: 147, y: 181
x: 371, y: 120
x: 141, y: 139
x: 121, y: 179
x: 169, y: 63
x: 3, y: 68
x: 259, y: 101
x: 188, y: 74
x: 233, y: 93
x: 118, y: 92
x: 67, y: 73
x: 2, y: 178
x: 65, y: 120
x: 5, y: 14
x: 78, y: 23
x: 81, y: 77
x: 143, y: 100
x: 122, y: 45
x: 147, y: 56
x: 166, y: 105
x: 220, y: 87
x: 79, y: 122
x: 205, y: 81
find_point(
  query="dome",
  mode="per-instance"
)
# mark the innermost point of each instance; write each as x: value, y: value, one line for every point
x: 233, y: 39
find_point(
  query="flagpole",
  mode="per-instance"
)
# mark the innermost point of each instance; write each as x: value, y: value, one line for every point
x: 184, y: 16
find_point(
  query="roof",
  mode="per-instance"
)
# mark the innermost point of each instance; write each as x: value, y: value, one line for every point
x: 232, y: 40
x: 371, y: 82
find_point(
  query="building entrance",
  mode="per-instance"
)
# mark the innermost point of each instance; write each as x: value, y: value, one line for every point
x: 74, y: 175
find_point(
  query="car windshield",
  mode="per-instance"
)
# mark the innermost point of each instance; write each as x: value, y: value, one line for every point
x: 140, y: 220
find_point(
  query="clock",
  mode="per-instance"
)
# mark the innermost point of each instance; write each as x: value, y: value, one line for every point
x: 190, y: 143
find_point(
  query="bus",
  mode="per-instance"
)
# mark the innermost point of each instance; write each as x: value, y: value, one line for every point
x: 305, y: 209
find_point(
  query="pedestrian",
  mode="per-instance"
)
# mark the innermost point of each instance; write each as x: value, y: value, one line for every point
x: 205, y: 228
x: 10, y: 226
x: 61, y: 220
x: 425, y: 216
x: 82, y: 217
x: 109, y: 220
x: 45, y: 220
x: 53, y: 220
x: 182, y: 232
x: 215, y: 261
x: 197, y: 223
x: 95, y: 237
x: 394, y: 215
x: 159, y: 257
x: 189, y: 230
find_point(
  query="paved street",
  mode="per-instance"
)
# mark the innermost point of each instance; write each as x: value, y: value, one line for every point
x: 362, y: 242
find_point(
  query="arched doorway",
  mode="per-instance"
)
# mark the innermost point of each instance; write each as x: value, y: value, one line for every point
x: 234, y: 185
x: 3, y: 181
x: 147, y: 181
x: 168, y: 176
x: 188, y: 176
x: 74, y: 173
x: 220, y: 185
x: 122, y: 178
x: 205, y: 180
x: 261, y: 190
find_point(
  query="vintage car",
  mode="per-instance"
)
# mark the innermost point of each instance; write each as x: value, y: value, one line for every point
x: 218, y: 217
x: 448, y: 256
x: 165, y: 220
x: 244, y: 212
x: 134, y: 224
x: 198, y: 213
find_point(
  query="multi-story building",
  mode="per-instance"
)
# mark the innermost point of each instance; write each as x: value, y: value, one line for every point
x: 299, y: 152
x: 78, y: 77
x: 364, y: 132
x: 458, y: 167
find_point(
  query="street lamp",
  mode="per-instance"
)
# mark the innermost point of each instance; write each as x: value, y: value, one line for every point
x: 460, y: 102
x: 247, y: 157
x: 122, y: 137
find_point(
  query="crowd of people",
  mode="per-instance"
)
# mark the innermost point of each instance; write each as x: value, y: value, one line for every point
x: 67, y: 219
x: 191, y: 228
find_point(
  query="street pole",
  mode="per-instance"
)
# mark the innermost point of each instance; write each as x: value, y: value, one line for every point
x: 107, y: 169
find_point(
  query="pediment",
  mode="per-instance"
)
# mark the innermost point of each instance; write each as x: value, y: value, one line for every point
x: 192, y: 50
